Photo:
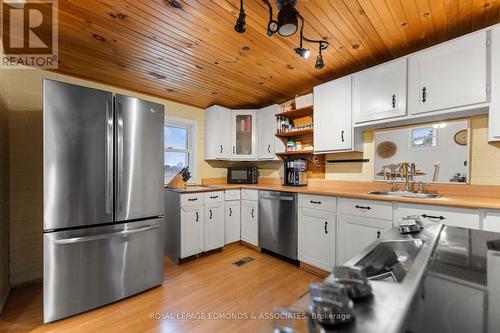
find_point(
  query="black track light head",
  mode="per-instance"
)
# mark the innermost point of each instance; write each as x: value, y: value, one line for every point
x: 240, y: 25
x: 319, y: 62
x: 303, y: 52
x: 287, y: 21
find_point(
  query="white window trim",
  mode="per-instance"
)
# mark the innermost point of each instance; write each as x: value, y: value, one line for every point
x: 193, y: 142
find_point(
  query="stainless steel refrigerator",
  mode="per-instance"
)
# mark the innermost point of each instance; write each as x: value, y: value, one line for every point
x: 103, y: 197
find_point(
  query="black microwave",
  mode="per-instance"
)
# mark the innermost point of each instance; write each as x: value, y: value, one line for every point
x: 242, y: 175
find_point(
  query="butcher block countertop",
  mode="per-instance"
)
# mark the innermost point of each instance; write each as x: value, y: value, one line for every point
x: 466, y: 196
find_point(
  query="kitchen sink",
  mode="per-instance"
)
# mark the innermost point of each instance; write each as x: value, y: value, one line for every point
x: 407, y: 194
x: 390, y: 260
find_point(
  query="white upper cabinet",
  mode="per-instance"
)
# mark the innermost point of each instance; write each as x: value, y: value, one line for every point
x: 333, y: 130
x: 380, y: 92
x: 244, y: 134
x: 448, y: 76
x: 494, y: 116
x: 267, y: 129
x: 217, y: 133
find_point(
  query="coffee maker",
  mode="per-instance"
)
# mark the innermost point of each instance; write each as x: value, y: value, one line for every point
x: 295, y: 172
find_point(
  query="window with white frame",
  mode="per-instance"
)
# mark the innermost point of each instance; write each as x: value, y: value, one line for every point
x: 180, y: 147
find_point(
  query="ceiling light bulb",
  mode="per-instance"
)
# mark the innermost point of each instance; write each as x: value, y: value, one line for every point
x: 319, y: 62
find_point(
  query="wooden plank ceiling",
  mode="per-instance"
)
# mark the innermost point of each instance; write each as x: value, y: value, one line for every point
x: 193, y: 55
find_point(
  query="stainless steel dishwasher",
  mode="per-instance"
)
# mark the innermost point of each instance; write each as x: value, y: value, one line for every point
x: 278, y: 222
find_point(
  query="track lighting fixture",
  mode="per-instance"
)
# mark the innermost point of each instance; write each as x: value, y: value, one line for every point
x: 287, y: 18
x: 319, y: 62
x: 240, y: 25
x: 286, y: 25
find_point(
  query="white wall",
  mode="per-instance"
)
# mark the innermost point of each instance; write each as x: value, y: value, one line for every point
x: 450, y: 154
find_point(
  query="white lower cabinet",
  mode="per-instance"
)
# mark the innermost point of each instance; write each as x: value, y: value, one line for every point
x: 213, y: 226
x: 233, y: 218
x: 452, y: 216
x: 316, y: 245
x: 491, y: 220
x: 191, y: 230
x: 250, y: 222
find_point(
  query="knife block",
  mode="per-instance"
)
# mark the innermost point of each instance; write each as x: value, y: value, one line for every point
x: 177, y: 182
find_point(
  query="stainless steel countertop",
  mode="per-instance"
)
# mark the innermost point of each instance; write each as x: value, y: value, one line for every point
x: 387, y: 309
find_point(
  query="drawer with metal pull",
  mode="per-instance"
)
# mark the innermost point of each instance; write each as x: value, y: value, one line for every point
x: 321, y: 202
x: 368, y: 208
x: 192, y: 199
x: 453, y: 216
x: 214, y: 197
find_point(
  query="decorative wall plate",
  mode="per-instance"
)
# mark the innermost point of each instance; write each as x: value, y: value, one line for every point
x: 461, y: 137
x: 386, y: 149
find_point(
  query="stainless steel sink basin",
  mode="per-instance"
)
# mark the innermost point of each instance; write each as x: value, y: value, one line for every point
x: 406, y: 194
x: 390, y: 260
x: 196, y: 188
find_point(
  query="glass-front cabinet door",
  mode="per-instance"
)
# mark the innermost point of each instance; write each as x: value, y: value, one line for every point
x: 244, y: 138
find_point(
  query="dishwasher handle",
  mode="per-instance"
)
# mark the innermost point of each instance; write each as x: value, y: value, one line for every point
x: 277, y: 197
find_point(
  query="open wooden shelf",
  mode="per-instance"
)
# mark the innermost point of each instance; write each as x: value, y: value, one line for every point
x: 290, y: 134
x: 295, y: 152
x: 298, y: 113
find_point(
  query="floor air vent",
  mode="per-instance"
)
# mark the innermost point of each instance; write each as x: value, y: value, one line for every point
x: 243, y: 261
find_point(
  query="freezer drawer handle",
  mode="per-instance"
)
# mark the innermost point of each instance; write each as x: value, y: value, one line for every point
x: 104, y: 236
x: 276, y: 197
x: 434, y: 217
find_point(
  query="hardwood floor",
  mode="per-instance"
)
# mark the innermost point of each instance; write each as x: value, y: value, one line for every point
x: 208, y: 285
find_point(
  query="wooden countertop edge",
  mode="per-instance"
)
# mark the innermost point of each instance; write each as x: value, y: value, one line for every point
x: 474, y: 202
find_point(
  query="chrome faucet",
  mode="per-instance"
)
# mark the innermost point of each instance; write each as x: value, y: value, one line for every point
x: 408, y: 172
x: 391, y: 176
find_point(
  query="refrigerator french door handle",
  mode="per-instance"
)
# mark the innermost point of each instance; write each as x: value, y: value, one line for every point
x: 119, y: 162
x: 109, y: 158
x: 104, y: 236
